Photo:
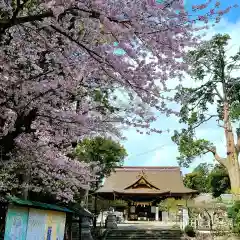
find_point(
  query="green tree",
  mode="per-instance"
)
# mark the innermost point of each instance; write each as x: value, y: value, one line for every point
x: 208, y: 179
x: 203, y: 168
x: 213, y: 72
x: 234, y: 213
x: 218, y: 181
x: 104, y: 152
x: 198, y: 179
x: 171, y: 205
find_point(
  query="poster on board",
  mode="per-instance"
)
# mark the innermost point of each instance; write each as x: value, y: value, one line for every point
x: 60, y: 220
x: 16, y: 223
x: 55, y: 225
x: 36, y: 224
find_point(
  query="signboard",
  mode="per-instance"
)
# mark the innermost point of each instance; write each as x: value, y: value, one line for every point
x: 16, y: 223
x: 36, y: 224
x: 55, y: 225
x: 59, y: 221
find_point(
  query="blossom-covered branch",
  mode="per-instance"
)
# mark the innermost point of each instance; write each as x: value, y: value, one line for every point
x: 61, y: 79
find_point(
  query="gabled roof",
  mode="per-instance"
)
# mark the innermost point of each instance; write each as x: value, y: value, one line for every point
x: 166, y: 179
x: 141, y: 181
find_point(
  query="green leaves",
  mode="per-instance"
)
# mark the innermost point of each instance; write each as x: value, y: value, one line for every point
x: 235, y: 111
x: 234, y: 213
x: 195, y: 103
x: 171, y: 204
x: 188, y: 147
x: 219, y: 181
x: 102, y: 97
x: 206, y: 178
x: 196, y: 180
x: 211, y: 70
x: 105, y: 152
x: 193, y: 118
x: 234, y: 92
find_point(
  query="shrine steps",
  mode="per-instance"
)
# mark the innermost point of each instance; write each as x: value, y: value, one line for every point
x: 151, y: 234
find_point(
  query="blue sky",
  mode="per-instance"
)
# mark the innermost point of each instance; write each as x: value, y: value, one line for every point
x: 159, y: 150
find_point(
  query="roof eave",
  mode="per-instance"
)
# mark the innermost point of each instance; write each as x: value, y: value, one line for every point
x: 142, y: 193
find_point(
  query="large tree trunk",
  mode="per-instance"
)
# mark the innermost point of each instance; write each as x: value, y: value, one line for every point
x: 234, y: 175
x: 231, y: 162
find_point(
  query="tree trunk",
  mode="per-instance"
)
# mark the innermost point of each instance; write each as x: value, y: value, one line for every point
x: 234, y: 175
x: 231, y: 162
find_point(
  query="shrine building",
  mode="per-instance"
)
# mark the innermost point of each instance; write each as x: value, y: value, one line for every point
x: 143, y: 188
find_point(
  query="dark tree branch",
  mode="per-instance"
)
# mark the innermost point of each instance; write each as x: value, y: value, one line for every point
x: 92, y: 53
x: 11, y: 22
x: 201, y: 122
x: 22, y: 125
x: 238, y: 141
x: 39, y: 17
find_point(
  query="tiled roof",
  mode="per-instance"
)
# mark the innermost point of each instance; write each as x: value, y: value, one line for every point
x: 166, y: 179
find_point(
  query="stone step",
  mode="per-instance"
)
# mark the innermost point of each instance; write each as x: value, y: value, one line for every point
x: 120, y: 234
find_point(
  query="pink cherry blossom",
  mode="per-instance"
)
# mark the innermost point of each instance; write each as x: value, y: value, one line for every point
x: 55, y: 55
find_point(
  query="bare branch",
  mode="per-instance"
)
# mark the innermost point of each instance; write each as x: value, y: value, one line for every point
x: 203, y: 121
x: 217, y: 157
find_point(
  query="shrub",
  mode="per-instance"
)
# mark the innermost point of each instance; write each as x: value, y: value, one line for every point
x: 234, y: 213
x: 189, y: 231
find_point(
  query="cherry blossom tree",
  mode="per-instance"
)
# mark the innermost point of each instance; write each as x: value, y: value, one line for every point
x: 55, y: 55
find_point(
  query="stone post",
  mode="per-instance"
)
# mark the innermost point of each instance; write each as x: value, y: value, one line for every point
x: 111, y: 220
x: 156, y: 214
x: 86, y: 229
x: 185, y: 218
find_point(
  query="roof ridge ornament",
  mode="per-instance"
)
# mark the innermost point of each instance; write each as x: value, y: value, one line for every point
x: 142, y: 174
